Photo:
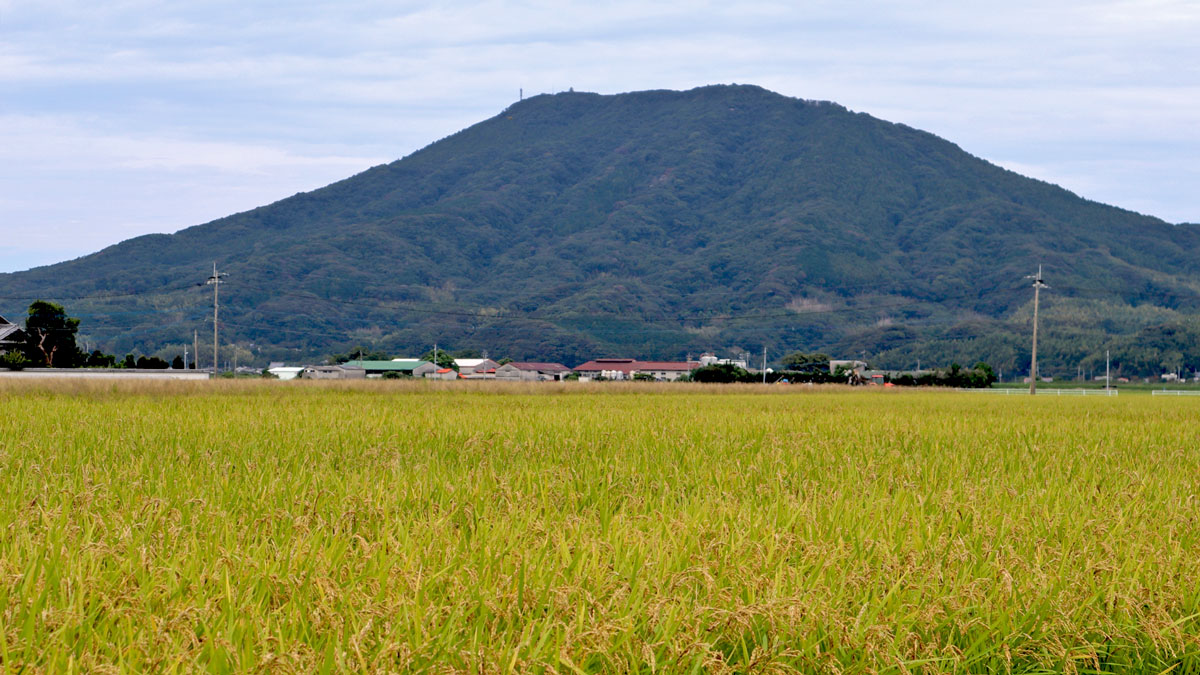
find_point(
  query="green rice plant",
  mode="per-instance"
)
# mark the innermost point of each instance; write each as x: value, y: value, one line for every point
x: 408, y: 526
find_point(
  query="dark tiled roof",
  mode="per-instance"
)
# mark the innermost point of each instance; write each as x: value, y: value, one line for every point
x: 9, y: 332
x: 540, y: 366
x: 382, y: 366
x: 631, y: 365
x: 667, y: 365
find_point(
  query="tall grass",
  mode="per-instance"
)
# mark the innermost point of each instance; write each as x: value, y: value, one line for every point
x: 393, y: 527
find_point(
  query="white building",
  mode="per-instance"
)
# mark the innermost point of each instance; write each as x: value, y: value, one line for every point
x: 469, y: 366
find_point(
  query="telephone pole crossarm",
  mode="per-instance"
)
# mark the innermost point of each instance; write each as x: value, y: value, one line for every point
x: 215, y: 281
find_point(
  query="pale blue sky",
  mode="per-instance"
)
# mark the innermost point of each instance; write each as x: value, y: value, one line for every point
x: 132, y: 116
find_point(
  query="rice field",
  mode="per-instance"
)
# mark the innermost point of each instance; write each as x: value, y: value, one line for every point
x: 401, y: 527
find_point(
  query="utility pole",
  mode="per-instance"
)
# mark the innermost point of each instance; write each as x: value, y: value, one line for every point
x: 185, y: 357
x: 1107, y: 372
x: 764, y: 364
x: 215, y: 281
x: 1038, y: 285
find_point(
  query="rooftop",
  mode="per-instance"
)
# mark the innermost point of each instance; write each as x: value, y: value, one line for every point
x: 7, y: 329
x: 405, y: 366
x: 540, y: 366
x: 470, y: 363
x: 631, y: 365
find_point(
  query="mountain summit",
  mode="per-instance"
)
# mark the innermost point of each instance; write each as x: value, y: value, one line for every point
x: 650, y: 225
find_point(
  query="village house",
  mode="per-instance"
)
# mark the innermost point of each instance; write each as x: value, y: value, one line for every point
x: 489, y: 374
x: 343, y: 372
x: 471, y: 366
x: 11, y: 336
x: 531, y: 371
x: 401, y: 367
x: 710, y: 359
x: 626, y: 369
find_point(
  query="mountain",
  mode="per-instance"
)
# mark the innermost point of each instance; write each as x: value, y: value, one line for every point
x: 654, y: 224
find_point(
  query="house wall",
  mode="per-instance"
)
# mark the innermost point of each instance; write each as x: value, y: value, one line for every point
x: 425, y: 370
x: 511, y: 374
x: 485, y: 364
x: 668, y: 375
x: 333, y: 374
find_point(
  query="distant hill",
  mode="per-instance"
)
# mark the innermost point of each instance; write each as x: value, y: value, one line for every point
x: 654, y: 224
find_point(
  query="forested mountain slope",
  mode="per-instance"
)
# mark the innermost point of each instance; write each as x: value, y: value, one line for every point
x: 654, y: 224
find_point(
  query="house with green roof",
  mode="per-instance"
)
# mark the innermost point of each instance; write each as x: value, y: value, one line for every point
x: 402, y: 367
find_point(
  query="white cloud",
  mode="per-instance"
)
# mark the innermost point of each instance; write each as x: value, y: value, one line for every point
x: 48, y: 143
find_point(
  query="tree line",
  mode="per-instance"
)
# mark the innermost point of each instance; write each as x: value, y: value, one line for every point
x: 48, y: 340
x: 800, y: 367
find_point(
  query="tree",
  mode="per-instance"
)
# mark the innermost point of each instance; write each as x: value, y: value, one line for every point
x: 359, y: 353
x: 979, y: 377
x: 151, y: 363
x: 98, y: 359
x: 982, y: 376
x: 720, y: 373
x: 13, y: 360
x: 442, y: 359
x: 806, y: 363
x: 177, y: 363
x: 50, y: 336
